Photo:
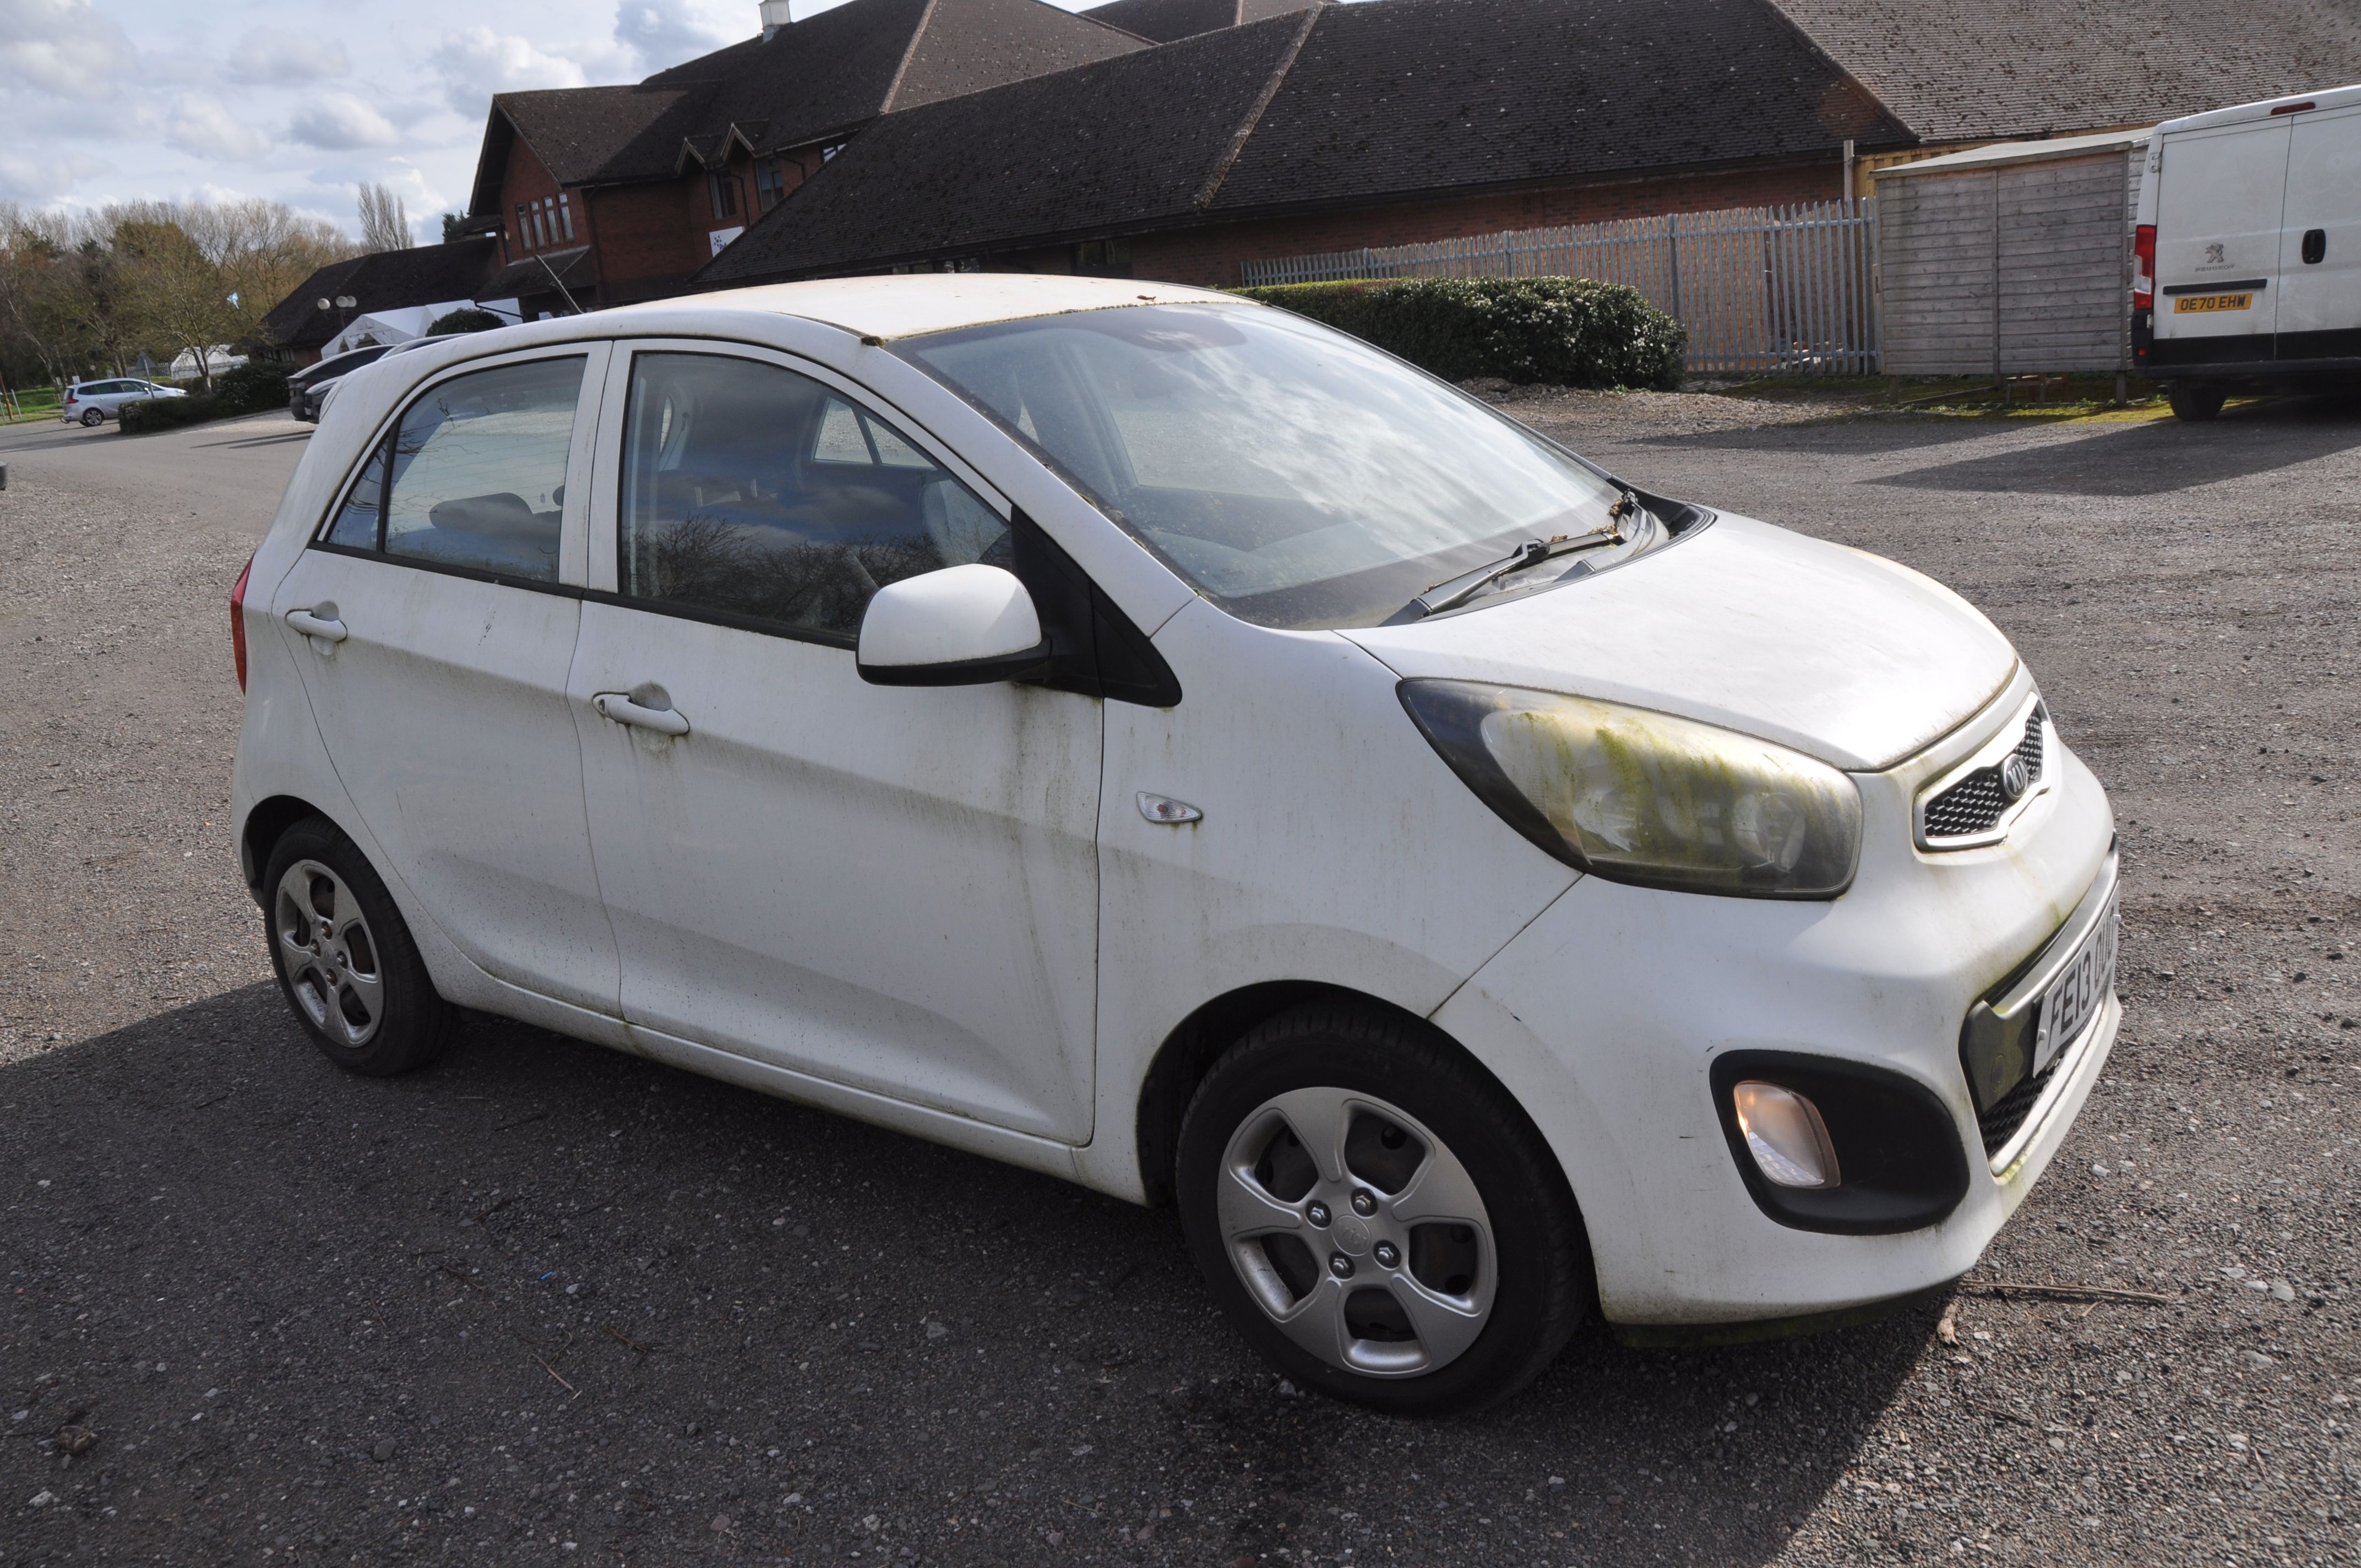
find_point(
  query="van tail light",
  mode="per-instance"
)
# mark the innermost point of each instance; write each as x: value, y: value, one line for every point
x: 2143, y: 267
x: 237, y: 620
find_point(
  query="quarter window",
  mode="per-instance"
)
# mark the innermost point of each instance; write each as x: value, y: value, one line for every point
x: 753, y: 491
x: 474, y: 475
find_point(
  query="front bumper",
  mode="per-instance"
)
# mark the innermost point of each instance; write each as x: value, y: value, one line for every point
x: 1605, y: 1017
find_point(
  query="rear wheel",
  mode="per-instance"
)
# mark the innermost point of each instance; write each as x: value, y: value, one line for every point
x: 2196, y: 400
x: 345, y: 960
x: 91, y: 417
x: 1377, y: 1216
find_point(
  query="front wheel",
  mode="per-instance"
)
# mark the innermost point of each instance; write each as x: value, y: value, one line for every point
x: 2196, y: 400
x: 1377, y: 1215
x: 344, y: 959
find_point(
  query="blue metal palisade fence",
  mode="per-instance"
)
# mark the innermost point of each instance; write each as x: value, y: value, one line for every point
x: 1761, y: 290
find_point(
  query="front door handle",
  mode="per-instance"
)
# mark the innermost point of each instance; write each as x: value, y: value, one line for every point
x: 323, y: 626
x: 619, y: 707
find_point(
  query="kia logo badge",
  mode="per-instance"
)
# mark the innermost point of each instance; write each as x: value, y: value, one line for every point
x: 2015, y: 778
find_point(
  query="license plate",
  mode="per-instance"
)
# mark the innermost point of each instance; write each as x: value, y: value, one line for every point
x: 2080, y: 989
x: 2190, y: 304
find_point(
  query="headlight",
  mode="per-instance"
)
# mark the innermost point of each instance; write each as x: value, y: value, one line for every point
x: 1645, y: 797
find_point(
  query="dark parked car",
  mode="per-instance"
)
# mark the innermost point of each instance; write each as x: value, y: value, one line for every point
x: 307, y: 389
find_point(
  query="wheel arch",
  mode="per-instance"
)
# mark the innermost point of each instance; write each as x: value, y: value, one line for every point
x: 265, y: 823
x: 1189, y: 1052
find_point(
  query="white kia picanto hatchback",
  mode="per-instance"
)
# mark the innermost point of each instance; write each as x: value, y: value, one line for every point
x: 1154, y: 740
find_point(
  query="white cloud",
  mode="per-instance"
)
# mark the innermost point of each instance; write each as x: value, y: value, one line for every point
x: 341, y: 122
x: 202, y: 125
x: 63, y: 46
x: 272, y: 57
x: 38, y: 179
x: 665, y: 32
x: 476, y: 62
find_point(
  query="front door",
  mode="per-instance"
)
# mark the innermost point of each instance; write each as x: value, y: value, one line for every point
x: 890, y: 888
x: 430, y: 620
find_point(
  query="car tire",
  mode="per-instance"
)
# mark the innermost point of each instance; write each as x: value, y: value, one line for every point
x: 1360, y: 1275
x: 92, y: 417
x: 2196, y: 400
x: 344, y: 959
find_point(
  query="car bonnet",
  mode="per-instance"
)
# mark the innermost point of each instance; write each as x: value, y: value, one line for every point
x: 1844, y: 655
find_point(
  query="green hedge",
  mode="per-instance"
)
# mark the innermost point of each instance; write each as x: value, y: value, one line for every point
x: 1568, y: 331
x: 249, y: 389
x: 464, y: 320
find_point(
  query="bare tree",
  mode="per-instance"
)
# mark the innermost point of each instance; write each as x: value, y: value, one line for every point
x: 173, y: 291
x: 385, y: 222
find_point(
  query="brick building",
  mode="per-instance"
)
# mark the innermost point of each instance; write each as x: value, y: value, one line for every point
x: 604, y: 195
x: 1405, y: 120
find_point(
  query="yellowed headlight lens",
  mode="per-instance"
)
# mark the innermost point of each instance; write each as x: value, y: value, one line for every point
x: 1647, y: 797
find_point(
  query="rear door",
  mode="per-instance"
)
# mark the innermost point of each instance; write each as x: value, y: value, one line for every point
x: 435, y: 619
x: 2320, y: 246
x: 2217, y: 242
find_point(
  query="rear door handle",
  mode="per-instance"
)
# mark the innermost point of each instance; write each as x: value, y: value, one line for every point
x: 326, y: 628
x: 619, y: 707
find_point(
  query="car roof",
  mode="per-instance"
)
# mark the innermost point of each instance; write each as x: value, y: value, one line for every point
x: 895, y: 307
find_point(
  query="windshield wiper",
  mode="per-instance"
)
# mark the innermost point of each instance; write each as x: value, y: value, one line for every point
x: 1453, y: 592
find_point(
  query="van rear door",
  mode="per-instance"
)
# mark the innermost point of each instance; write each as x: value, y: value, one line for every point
x: 2217, y: 242
x: 2320, y: 247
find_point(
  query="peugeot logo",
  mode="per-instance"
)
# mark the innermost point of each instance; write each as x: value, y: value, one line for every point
x: 2015, y: 778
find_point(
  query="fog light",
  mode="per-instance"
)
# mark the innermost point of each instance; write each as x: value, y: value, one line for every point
x: 1785, y: 1135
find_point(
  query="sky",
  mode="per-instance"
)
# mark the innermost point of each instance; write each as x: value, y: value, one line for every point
x: 119, y: 100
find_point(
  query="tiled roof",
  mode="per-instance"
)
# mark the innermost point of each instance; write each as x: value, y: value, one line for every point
x: 1417, y: 95
x: 1097, y: 148
x: 803, y: 83
x: 389, y: 280
x: 1971, y: 69
x: 1165, y: 21
x: 1344, y: 103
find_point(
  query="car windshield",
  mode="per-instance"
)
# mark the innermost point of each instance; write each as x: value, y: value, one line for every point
x: 1295, y: 476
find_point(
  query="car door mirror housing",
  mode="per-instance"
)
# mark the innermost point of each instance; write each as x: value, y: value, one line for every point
x: 961, y: 626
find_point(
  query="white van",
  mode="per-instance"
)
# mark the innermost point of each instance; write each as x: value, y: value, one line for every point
x: 2248, y: 270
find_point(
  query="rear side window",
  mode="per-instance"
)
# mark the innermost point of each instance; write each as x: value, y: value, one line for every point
x: 474, y: 475
x: 750, y: 491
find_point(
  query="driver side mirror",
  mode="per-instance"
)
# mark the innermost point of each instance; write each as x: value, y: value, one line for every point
x: 957, y: 627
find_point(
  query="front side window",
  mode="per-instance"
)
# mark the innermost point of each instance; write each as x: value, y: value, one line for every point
x: 1294, y: 474
x: 749, y: 490
x: 474, y: 475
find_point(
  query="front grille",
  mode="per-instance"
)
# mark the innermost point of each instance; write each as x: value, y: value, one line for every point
x: 2008, y: 1113
x: 1976, y: 804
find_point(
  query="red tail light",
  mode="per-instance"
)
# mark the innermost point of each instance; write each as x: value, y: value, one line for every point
x: 70, y: 398
x: 2143, y: 267
x: 237, y: 620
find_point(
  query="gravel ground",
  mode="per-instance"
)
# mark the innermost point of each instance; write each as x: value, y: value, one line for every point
x: 546, y: 1303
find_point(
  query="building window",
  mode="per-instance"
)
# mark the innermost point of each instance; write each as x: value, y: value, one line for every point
x: 828, y: 152
x: 770, y: 183
x: 565, y: 213
x: 524, y: 228
x: 1103, y: 259
x: 725, y: 196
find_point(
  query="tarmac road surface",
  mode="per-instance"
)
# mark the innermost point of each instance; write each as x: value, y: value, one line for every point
x: 543, y: 1304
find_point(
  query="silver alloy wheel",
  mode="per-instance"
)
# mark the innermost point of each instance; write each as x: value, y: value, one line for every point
x: 330, y: 957
x: 1358, y: 1232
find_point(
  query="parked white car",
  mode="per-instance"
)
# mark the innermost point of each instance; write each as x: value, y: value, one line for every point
x: 94, y: 402
x: 1151, y: 738
x: 2247, y: 270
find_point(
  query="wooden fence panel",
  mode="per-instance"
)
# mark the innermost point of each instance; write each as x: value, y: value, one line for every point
x: 1758, y: 288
